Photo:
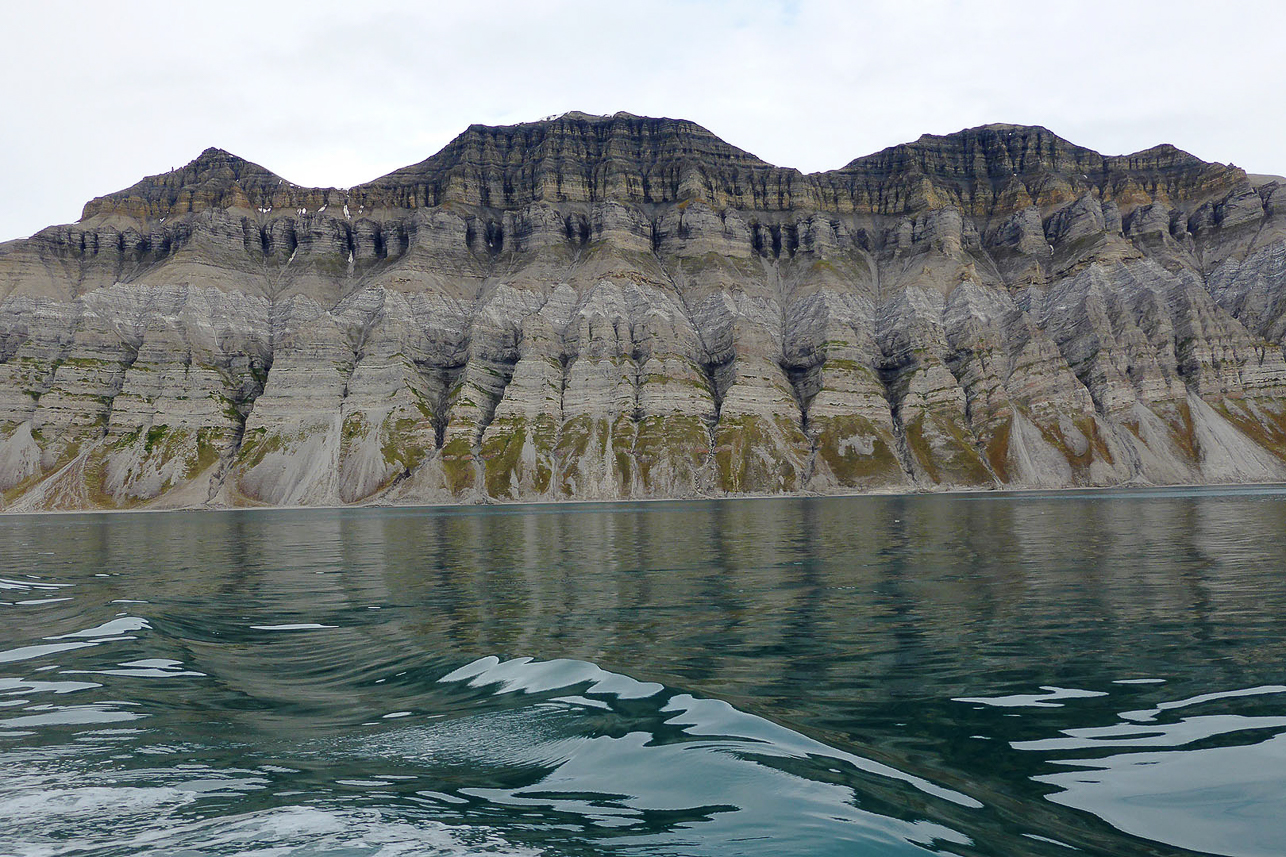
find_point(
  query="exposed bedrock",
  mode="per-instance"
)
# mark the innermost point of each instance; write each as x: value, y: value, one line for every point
x: 618, y: 307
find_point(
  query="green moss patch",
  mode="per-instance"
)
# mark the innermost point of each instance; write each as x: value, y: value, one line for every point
x: 944, y: 453
x: 457, y: 465
x: 843, y: 443
x: 750, y: 459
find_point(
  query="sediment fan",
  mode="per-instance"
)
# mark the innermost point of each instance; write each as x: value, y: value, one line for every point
x: 602, y: 307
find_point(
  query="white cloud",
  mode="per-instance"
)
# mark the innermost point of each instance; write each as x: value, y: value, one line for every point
x: 336, y: 93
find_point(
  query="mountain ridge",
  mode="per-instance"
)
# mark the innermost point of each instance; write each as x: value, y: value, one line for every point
x: 428, y: 182
x: 625, y: 307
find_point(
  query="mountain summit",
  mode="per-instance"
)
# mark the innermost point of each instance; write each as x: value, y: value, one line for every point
x: 215, y: 179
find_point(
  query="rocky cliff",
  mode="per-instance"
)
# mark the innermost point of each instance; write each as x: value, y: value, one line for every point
x: 602, y: 307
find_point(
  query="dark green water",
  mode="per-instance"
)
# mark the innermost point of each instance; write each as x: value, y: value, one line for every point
x: 983, y: 675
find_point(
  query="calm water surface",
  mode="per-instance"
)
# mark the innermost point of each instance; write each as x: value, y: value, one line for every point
x: 985, y: 675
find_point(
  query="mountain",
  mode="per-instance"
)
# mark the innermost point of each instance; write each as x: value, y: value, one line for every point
x: 602, y: 307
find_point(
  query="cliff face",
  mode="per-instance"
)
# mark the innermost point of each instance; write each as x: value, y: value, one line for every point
x: 615, y: 307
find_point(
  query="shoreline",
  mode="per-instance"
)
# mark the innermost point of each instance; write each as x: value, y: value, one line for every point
x: 963, y: 493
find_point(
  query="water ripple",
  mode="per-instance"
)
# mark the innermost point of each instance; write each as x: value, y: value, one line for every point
x: 1210, y: 783
x: 1010, y: 676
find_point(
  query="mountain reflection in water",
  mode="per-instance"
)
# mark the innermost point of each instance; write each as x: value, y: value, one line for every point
x: 974, y: 675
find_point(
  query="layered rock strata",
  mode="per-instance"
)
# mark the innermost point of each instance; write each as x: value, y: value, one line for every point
x: 620, y: 307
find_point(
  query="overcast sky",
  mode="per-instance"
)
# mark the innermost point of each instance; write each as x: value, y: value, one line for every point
x: 326, y: 93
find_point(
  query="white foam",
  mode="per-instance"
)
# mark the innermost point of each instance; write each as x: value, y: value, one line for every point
x: 299, y: 830
x: 100, y: 801
x: 43, y: 815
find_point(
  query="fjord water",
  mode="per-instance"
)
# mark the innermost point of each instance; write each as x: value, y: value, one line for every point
x: 971, y: 675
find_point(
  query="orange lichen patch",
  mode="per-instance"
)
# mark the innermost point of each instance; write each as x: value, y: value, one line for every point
x: 944, y: 453
x: 997, y: 449
x: 1264, y: 422
x: 1183, y: 433
x: 1096, y: 448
